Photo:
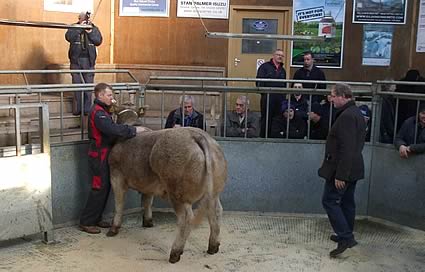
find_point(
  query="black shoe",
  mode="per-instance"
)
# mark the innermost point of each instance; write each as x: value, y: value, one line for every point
x: 334, y: 238
x: 342, y: 246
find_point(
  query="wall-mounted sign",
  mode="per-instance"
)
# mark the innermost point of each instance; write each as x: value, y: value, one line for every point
x: 377, y: 41
x: 214, y: 9
x: 380, y: 11
x: 420, y: 37
x: 75, y: 6
x: 153, y: 8
x: 319, y: 18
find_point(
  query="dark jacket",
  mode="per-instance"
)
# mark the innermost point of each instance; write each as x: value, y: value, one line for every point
x: 269, y: 70
x: 406, y: 135
x: 102, y: 130
x: 301, y: 106
x: 234, y: 126
x: 386, y: 132
x: 344, y: 144
x: 83, y: 44
x: 297, y: 127
x: 319, y: 130
x: 314, y: 74
x: 175, y: 118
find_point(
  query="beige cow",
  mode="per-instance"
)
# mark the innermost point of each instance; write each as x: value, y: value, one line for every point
x: 182, y: 165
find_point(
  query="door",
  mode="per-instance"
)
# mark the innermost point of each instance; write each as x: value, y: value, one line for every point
x: 246, y: 55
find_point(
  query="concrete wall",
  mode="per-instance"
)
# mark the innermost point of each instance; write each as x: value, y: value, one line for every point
x: 269, y: 177
x: 263, y: 176
x: 397, y: 192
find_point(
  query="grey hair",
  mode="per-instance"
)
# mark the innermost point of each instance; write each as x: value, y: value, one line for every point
x: 342, y: 89
x: 187, y: 99
x: 244, y: 99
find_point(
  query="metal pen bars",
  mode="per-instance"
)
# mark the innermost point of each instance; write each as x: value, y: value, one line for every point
x: 132, y: 86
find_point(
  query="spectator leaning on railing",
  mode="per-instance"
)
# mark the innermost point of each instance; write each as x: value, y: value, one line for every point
x: 237, y: 124
x: 405, y: 140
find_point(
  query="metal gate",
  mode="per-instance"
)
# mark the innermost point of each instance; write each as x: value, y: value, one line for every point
x: 25, y: 183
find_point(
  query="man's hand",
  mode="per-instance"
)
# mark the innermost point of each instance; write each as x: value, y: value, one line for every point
x: 339, y: 184
x: 403, y: 150
x: 141, y: 129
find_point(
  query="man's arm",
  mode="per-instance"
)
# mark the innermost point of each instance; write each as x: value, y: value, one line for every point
x: 321, y: 77
x: 253, y: 127
x: 417, y: 148
x: 232, y: 131
x: 73, y: 35
x: 346, y: 137
x: 170, y: 120
x: 261, y: 73
x: 95, y: 36
x: 105, y: 124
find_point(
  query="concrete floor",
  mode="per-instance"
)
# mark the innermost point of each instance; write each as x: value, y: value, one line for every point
x: 249, y: 243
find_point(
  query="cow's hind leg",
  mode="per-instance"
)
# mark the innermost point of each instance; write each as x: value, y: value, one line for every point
x: 184, y: 215
x: 214, y: 218
x: 120, y: 189
x: 147, y: 211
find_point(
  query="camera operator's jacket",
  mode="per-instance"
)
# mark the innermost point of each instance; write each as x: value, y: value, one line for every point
x: 79, y: 39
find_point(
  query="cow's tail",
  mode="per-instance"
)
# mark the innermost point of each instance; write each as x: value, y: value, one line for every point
x: 206, y: 203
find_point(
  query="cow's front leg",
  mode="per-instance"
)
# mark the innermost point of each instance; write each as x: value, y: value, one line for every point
x: 184, y: 215
x: 147, y: 211
x: 120, y: 188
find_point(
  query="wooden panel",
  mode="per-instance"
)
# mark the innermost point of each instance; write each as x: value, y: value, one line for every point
x: 34, y: 48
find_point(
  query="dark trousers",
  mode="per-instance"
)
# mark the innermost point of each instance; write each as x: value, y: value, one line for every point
x: 341, y: 208
x: 80, y: 78
x: 99, y: 193
x: 274, y: 106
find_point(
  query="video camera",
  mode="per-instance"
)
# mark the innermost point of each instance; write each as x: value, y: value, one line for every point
x: 87, y: 18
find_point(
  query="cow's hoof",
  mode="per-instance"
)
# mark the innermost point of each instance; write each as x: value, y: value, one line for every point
x: 113, y: 231
x: 147, y: 223
x: 213, y: 249
x: 175, y: 256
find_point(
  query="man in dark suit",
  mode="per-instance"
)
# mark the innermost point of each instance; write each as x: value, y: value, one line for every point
x: 343, y: 166
x: 272, y: 69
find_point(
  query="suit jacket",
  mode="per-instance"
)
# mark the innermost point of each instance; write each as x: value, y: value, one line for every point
x: 234, y: 127
x: 344, y: 144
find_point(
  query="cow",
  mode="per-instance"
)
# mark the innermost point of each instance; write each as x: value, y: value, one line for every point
x: 182, y: 165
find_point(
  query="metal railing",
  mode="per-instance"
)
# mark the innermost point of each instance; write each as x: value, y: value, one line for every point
x: 43, y: 110
x: 17, y: 91
x: 362, y: 89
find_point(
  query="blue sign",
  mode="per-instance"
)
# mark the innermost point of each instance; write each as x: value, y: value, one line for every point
x: 144, y: 8
x: 260, y: 25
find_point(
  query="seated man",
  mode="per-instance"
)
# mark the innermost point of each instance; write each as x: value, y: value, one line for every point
x: 192, y: 118
x: 297, y: 125
x: 405, y: 140
x: 319, y: 126
x: 238, y: 125
x: 300, y: 102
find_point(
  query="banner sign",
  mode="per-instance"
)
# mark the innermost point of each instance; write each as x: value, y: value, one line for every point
x: 377, y: 41
x: 379, y: 11
x: 214, y: 9
x: 75, y: 6
x: 319, y: 18
x: 420, y: 37
x: 153, y: 8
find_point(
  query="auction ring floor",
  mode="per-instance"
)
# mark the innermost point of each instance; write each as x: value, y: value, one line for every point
x: 249, y: 243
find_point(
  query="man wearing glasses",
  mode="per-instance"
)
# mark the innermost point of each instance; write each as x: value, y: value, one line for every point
x: 187, y: 113
x: 272, y: 69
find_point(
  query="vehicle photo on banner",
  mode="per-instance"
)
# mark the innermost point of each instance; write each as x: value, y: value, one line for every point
x: 323, y: 18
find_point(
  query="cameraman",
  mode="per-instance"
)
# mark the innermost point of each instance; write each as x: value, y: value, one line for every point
x: 82, y: 55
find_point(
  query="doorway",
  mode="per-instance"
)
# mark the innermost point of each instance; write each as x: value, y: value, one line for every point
x: 245, y: 56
